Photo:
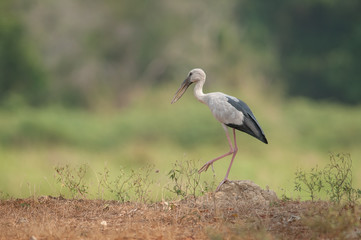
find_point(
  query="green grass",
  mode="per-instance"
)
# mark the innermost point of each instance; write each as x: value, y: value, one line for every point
x: 150, y: 130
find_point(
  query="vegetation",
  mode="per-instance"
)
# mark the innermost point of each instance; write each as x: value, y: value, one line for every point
x: 316, y: 43
x: 185, y: 180
x: 335, y: 180
x: 33, y: 141
x: 73, y: 180
x: 131, y: 185
x: 80, y: 54
x: 21, y: 72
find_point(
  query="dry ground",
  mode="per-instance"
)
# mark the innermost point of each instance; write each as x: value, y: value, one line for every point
x: 244, y: 213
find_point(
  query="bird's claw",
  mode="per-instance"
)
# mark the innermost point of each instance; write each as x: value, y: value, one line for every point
x: 205, y: 167
x: 223, y: 181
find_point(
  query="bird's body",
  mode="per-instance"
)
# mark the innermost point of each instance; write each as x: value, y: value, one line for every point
x: 222, y: 109
x: 228, y: 110
x: 234, y: 113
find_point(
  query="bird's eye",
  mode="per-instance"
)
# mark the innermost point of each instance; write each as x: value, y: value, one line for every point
x: 190, y: 74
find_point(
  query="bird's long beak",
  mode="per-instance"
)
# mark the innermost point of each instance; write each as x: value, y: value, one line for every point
x: 182, y: 89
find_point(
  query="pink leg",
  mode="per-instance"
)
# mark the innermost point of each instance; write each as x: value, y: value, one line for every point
x: 234, y: 151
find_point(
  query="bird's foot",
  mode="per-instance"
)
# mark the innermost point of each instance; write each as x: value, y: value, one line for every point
x: 205, y: 167
x: 223, y: 181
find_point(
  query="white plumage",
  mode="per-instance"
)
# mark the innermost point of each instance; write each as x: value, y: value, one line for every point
x: 222, y: 110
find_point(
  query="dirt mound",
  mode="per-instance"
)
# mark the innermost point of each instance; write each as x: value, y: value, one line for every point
x: 239, y: 193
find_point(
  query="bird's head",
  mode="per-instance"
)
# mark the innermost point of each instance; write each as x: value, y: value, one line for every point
x: 194, y: 75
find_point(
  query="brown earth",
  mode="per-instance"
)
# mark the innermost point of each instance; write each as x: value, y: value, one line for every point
x: 240, y: 210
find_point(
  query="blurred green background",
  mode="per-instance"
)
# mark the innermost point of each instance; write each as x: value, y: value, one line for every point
x: 91, y: 82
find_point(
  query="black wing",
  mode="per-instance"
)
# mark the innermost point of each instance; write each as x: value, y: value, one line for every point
x: 250, y: 124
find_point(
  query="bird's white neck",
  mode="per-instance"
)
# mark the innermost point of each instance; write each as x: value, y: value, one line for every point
x: 198, y: 91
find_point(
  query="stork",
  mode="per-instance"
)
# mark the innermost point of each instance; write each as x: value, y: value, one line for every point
x: 228, y: 110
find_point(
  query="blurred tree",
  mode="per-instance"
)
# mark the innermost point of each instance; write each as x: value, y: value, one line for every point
x: 96, y: 50
x: 103, y: 50
x: 20, y: 73
x: 319, y: 44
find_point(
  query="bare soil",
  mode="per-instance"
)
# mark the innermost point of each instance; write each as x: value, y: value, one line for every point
x: 241, y: 210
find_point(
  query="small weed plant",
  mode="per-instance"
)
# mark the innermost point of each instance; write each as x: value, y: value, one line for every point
x: 127, y: 186
x: 185, y: 180
x: 335, y: 180
x: 140, y: 182
x: 118, y: 187
x: 73, y: 179
x: 338, y: 178
x: 311, y: 182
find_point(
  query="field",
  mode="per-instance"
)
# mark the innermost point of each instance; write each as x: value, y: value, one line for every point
x: 118, y: 173
x: 301, y: 134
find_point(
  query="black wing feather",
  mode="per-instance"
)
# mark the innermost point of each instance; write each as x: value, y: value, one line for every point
x: 250, y: 124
